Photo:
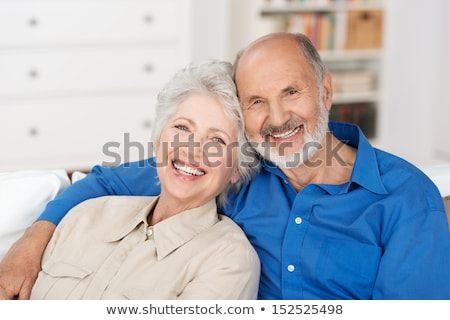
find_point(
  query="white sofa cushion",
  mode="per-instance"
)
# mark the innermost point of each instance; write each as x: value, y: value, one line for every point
x: 23, y: 196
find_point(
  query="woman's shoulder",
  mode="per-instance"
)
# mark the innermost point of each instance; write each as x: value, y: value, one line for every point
x: 102, y: 211
x: 230, y: 233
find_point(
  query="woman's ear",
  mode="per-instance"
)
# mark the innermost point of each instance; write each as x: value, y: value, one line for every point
x: 235, y: 176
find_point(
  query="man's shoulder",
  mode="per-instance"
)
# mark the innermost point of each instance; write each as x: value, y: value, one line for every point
x: 392, y: 165
x: 402, y: 177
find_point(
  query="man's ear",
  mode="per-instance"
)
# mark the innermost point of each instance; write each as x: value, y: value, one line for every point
x: 328, y: 90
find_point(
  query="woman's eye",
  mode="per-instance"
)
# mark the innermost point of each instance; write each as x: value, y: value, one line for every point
x: 219, y: 140
x: 181, y: 127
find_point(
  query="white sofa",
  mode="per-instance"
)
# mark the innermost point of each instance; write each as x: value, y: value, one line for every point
x: 24, y: 194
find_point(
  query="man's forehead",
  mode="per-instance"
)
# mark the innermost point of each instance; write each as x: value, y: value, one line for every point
x: 272, y: 38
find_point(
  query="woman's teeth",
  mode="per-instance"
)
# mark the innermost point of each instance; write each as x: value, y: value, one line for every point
x: 186, y: 170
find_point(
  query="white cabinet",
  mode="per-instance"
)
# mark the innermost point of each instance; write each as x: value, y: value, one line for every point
x: 75, y: 132
x: 77, y: 75
x: 87, y: 70
x: 349, y: 37
x: 25, y: 23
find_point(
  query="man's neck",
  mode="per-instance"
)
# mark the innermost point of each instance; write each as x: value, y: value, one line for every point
x: 332, y: 164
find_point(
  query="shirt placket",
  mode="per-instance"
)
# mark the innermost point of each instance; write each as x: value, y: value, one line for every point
x: 292, y: 251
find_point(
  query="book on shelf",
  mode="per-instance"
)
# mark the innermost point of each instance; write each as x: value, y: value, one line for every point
x: 364, y: 29
x: 353, y: 81
x: 338, y: 29
x: 320, y: 28
x: 362, y: 114
x: 342, y: 30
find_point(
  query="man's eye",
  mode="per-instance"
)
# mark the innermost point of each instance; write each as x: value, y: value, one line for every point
x: 255, y: 104
x: 291, y: 92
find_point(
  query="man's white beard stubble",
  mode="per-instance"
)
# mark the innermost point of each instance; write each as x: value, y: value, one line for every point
x: 312, y: 143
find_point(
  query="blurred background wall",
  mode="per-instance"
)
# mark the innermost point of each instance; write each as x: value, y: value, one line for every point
x: 79, y: 78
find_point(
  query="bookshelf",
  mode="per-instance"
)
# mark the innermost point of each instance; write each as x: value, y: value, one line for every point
x: 349, y: 36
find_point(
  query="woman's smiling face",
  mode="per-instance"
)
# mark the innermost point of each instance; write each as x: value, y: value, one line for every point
x: 196, y: 152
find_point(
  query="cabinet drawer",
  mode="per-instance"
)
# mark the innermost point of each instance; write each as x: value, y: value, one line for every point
x: 49, y: 23
x: 75, y: 133
x: 38, y: 73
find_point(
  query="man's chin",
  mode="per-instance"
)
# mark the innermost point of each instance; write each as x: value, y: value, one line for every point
x: 287, y: 161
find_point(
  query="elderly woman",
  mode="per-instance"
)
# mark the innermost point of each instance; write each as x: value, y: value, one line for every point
x: 176, y: 245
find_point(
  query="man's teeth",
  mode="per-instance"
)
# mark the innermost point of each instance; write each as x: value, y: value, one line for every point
x: 189, y: 171
x: 287, y: 134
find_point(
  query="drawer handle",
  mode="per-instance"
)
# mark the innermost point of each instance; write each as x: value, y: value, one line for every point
x: 33, y: 22
x: 148, y: 19
x: 147, y: 124
x: 33, y: 73
x: 148, y: 68
x: 33, y: 132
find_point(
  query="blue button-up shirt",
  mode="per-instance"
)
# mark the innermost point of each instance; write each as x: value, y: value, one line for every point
x: 382, y: 235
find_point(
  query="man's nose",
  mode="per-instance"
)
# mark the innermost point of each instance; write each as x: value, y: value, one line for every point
x: 277, y: 116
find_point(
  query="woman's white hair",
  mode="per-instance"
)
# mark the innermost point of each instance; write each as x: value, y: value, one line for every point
x: 212, y: 78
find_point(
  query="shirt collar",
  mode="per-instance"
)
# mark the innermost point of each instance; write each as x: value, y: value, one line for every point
x: 175, y: 231
x: 140, y: 217
x: 365, y: 171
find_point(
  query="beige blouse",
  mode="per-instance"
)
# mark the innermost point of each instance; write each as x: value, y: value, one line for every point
x: 103, y: 249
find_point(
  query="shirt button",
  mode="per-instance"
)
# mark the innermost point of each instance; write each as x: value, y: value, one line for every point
x: 149, y: 232
x: 291, y: 268
x: 298, y: 220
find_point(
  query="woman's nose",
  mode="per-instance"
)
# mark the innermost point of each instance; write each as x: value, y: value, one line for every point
x: 194, y: 147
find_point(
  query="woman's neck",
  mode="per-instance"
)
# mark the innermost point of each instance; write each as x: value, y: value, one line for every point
x: 167, y: 207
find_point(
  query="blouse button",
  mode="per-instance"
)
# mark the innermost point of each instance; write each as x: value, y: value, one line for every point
x: 149, y: 232
x: 291, y: 268
x: 298, y: 220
